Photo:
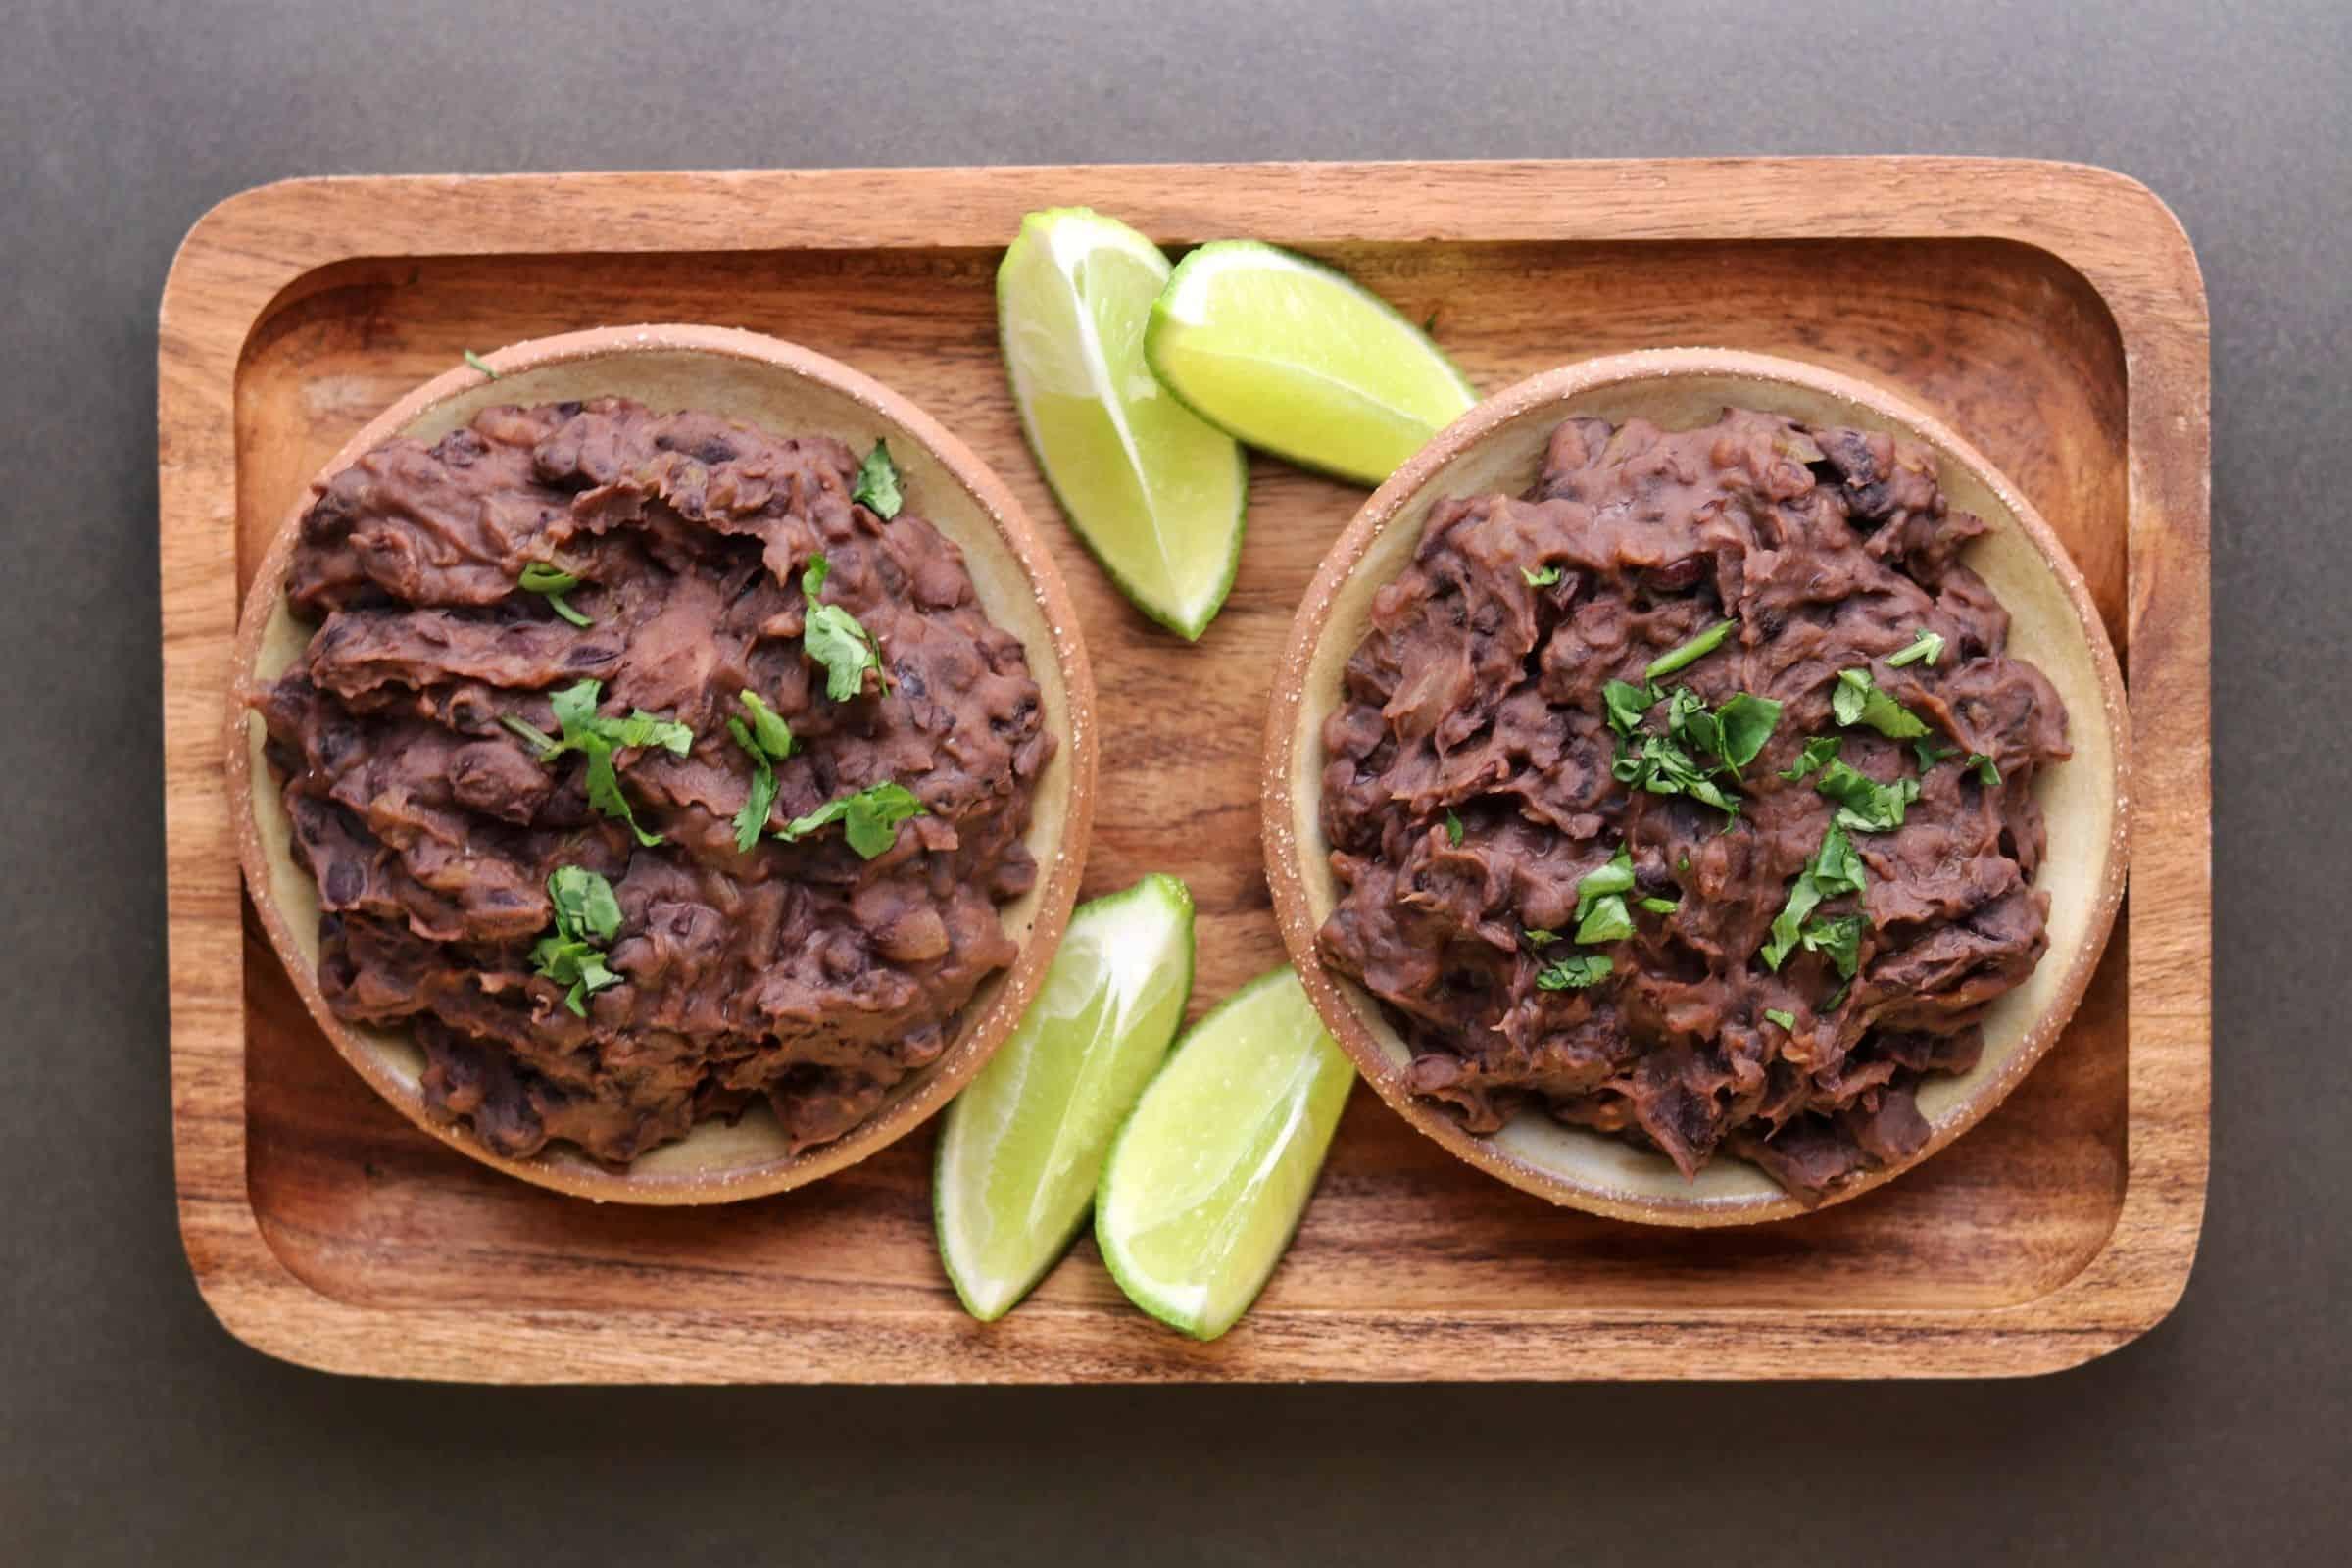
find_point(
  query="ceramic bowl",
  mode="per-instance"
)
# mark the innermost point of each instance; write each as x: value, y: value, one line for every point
x: 1498, y: 446
x: 783, y: 388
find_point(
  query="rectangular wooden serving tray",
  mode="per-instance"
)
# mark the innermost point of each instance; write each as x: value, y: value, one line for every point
x: 2052, y: 314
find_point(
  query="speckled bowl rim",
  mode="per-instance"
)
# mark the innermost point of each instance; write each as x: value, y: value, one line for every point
x: 717, y: 1162
x: 1645, y: 1186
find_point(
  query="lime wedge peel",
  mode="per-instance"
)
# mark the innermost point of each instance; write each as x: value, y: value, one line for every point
x: 1206, y: 1183
x: 1155, y: 493
x: 1021, y: 1148
x: 1301, y: 361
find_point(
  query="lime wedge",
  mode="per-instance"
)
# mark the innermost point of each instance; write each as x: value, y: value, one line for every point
x: 1019, y: 1149
x: 1294, y: 358
x: 1209, y: 1178
x: 1155, y: 492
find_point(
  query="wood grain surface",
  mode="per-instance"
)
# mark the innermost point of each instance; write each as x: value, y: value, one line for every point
x: 2053, y: 313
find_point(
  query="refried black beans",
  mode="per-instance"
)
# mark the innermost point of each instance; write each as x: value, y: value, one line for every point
x: 799, y: 971
x: 1482, y: 769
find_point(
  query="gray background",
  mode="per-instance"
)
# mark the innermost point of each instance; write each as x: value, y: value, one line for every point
x: 134, y: 1429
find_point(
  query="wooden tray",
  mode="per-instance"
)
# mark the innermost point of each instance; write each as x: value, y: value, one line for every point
x: 2053, y: 313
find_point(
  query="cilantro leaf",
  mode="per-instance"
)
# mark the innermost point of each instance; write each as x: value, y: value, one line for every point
x: 1788, y: 927
x: 596, y: 738
x: 1609, y: 920
x: 1615, y: 875
x: 604, y: 792
x: 554, y: 582
x: 1989, y: 772
x: 833, y: 637
x: 1661, y: 906
x: 751, y: 820
x: 1834, y: 869
x: 1857, y: 700
x: 1454, y: 830
x: 870, y: 818
x: 1662, y: 767
x: 584, y: 903
x: 1542, y: 577
x: 877, y: 486
x: 1601, y: 911
x: 1735, y: 732
x: 480, y: 364
x: 1930, y: 754
x: 587, y: 915
x: 1539, y: 938
x: 1819, y: 750
x: 769, y: 732
x: 1692, y: 652
x: 1839, y: 938
x: 1786, y: 1019
x: 575, y: 708
x: 768, y: 741
x: 1626, y: 704
x: 642, y: 728
x: 1746, y: 722
x: 1574, y: 972
x: 1863, y: 802
x: 1929, y: 646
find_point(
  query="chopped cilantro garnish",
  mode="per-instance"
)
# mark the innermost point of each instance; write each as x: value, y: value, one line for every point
x: 1834, y: 869
x: 1839, y: 938
x: 597, y: 738
x: 1819, y: 750
x: 1929, y: 646
x: 1786, y: 1019
x: 1930, y: 754
x: 751, y: 820
x: 1574, y: 972
x: 1539, y: 937
x: 1542, y: 577
x: 768, y: 741
x: 1601, y: 911
x: 480, y: 364
x: 587, y: 918
x: 769, y: 729
x: 1661, y: 906
x: 1626, y: 704
x: 553, y: 581
x: 877, y: 486
x: 1614, y: 875
x: 870, y: 818
x: 1609, y: 920
x: 833, y: 638
x: 1662, y: 767
x: 1454, y: 830
x: 1863, y: 802
x: 1735, y: 732
x: 1857, y: 700
x: 1989, y: 772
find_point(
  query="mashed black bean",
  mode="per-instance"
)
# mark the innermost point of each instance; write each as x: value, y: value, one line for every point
x: 1476, y: 702
x: 801, y: 973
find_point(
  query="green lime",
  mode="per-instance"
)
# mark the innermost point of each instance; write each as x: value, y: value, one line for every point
x: 1207, y: 1180
x: 1019, y: 1149
x: 1155, y: 492
x: 1291, y: 357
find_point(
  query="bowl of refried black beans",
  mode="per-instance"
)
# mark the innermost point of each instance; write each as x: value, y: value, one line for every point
x: 1696, y: 787
x: 662, y: 757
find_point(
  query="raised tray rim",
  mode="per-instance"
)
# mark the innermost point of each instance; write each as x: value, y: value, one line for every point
x: 255, y: 248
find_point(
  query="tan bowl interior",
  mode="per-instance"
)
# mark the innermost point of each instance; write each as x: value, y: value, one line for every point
x: 785, y: 389
x: 1498, y: 446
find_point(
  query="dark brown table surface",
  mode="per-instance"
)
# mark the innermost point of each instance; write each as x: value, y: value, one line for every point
x: 135, y: 1429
